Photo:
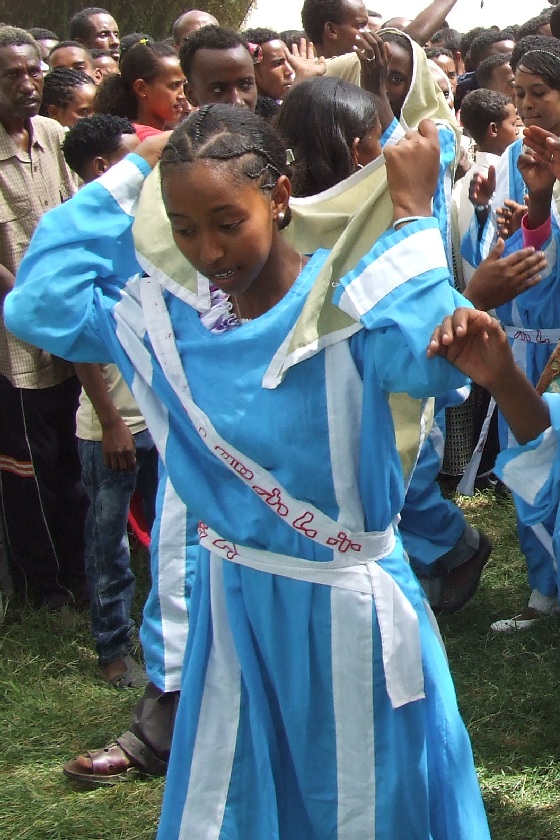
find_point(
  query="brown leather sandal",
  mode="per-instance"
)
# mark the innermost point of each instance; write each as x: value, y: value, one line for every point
x: 107, y: 766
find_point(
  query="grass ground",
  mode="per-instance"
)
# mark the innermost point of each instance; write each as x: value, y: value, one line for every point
x: 53, y: 706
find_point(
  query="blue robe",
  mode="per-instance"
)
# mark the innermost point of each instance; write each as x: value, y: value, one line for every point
x: 316, y: 701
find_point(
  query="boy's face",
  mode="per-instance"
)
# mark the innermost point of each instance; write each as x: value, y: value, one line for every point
x: 506, y: 132
x: 502, y: 80
x: 226, y: 76
x: 273, y: 74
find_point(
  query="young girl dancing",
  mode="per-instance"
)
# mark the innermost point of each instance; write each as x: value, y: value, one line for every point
x: 316, y: 699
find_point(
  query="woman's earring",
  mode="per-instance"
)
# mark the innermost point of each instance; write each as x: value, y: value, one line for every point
x: 281, y: 216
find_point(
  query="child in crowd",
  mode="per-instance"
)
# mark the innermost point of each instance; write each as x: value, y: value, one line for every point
x: 67, y: 96
x: 117, y: 452
x: 283, y: 615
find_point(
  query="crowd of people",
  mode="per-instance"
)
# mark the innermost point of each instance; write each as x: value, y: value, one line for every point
x: 247, y: 277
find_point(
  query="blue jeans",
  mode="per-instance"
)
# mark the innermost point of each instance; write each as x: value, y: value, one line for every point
x: 109, y: 576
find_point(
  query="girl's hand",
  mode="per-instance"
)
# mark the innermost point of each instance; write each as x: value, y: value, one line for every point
x: 476, y: 344
x: 545, y: 147
x: 482, y: 189
x: 152, y: 147
x: 497, y: 281
x: 509, y: 217
x: 537, y: 175
x: 412, y: 170
x: 374, y: 59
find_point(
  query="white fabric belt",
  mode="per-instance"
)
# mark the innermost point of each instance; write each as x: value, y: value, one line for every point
x: 532, y: 336
x: 397, y: 619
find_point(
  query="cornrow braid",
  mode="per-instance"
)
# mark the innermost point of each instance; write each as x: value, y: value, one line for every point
x: 59, y: 87
x: 228, y: 133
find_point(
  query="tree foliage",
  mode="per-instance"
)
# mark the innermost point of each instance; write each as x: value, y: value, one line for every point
x: 155, y: 18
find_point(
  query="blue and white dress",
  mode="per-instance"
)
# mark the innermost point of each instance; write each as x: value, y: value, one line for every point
x: 316, y: 699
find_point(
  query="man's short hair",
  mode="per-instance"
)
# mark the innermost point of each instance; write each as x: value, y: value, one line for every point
x: 315, y: 13
x: 480, y: 108
x: 12, y: 36
x: 208, y: 38
x: 42, y: 34
x: 62, y: 44
x: 434, y: 52
x: 483, y: 42
x: 448, y: 38
x: 261, y: 35
x: 93, y: 136
x: 80, y: 24
x: 485, y: 69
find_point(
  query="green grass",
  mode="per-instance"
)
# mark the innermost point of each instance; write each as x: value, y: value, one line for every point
x: 53, y: 706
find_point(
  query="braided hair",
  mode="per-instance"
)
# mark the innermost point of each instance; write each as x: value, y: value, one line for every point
x: 226, y: 133
x: 60, y: 85
x: 540, y: 56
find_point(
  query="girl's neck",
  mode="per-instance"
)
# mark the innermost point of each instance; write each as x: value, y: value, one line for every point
x: 147, y: 117
x: 275, y: 280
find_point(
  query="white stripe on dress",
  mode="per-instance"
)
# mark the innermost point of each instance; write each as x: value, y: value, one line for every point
x: 216, y: 734
x: 414, y: 255
x: 123, y: 186
x: 172, y: 563
x: 352, y: 667
x: 351, y: 615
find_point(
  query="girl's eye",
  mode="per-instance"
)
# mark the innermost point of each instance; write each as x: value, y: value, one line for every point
x: 230, y: 226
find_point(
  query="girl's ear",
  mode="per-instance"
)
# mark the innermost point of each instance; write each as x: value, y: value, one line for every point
x: 139, y: 88
x: 281, y: 197
x: 52, y: 111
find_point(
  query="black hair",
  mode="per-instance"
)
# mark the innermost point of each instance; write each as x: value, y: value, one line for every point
x: 260, y: 35
x: 433, y: 52
x: 480, y: 108
x: 334, y: 113
x: 59, y: 87
x: 131, y: 40
x: 80, y: 25
x: 396, y: 37
x: 483, y: 42
x: 292, y: 36
x: 372, y: 13
x: 555, y: 22
x: 68, y: 43
x: 12, y: 36
x: 94, y: 136
x: 224, y: 133
x: 115, y: 95
x: 532, y: 26
x: 101, y: 54
x: 466, y: 41
x: 540, y: 56
x: 42, y: 34
x: 485, y: 69
x: 315, y: 13
x: 267, y: 107
x: 448, y: 38
x: 208, y: 38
